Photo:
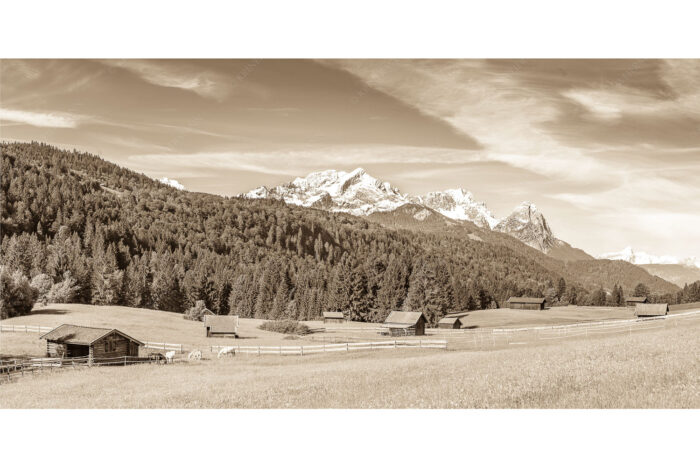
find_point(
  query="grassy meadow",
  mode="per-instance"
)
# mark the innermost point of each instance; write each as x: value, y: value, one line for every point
x: 657, y: 368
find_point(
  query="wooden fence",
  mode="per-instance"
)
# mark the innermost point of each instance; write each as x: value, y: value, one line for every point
x: 16, y: 368
x: 163, y: 346
x: 24, y: 328
x: 345, y: 347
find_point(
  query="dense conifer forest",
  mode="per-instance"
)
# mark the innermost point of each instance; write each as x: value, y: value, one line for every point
x: 76, y: 228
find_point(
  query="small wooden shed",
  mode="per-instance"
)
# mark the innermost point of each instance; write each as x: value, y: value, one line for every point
x: 221, y: 325
x: 526, y: 303
x: 633, y: 301
x: 450, y: 323
x: 97, y: 344
x: 405, y: 323
x: 648, y: 310
x: 331, y: 317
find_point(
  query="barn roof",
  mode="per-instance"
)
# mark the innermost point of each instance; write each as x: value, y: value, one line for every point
x: 403, y: 318
x: 449, y: 320
x: 221, y: 323
x: 333, y: 314
x: 537, y: 300
x: 84, y: 335
x: 651, y: 309
x: 636, y: 299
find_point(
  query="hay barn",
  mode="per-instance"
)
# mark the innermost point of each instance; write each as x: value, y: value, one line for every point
x: 405, y: 323
x: 71, y: 341
x: 450, y: 323
x: 221, y: 325
x: 331, y: 317
x: 632, y: 301
x: 526, y: 303
x: 647, y: 310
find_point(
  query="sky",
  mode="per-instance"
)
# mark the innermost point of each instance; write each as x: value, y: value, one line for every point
x: 609, y: 150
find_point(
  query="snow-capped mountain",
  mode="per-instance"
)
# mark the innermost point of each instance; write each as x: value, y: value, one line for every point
x: 359, y: 193
x: 459, y: 204
x: 355, y: 192
x: 529, y: 226
x: 640, y: 257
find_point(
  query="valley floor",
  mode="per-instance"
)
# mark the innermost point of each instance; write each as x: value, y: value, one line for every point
x: 658, y: 368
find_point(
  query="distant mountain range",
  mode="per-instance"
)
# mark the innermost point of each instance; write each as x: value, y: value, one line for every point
x: 677, y: 271
x: 361, y: 194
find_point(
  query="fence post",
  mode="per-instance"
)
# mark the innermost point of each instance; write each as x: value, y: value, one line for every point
x: 347, y: 346
x: 258, y: 350
x: 302, y: 350
x: 395, y: 343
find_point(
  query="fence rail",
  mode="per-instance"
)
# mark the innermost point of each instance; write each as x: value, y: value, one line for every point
x: 23, y: 328
x: 163, y: 346
x: 345, y: 347
x: 11, y: 369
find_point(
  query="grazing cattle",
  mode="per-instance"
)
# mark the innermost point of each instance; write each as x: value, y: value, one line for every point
x: 169, y: 356
x: 195, y: 355
x: 157, y: 357
x: 230, y: 351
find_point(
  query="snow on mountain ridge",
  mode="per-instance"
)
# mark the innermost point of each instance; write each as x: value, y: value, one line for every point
x: 457, y: 203
x: 640, y: 257
x: 529, y: 226
x: 359, y: 193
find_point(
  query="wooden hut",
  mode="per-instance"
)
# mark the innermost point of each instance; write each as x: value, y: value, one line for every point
x: 96, y: 344
x: 632, y: 301
x: 648, y: 310
x: 450, y: 323
x: 526, y: 303
x: 405, y: 323
x: 221, y: 325
x: 331, y: 317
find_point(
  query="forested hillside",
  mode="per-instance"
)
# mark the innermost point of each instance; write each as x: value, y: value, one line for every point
x: 78, y: 228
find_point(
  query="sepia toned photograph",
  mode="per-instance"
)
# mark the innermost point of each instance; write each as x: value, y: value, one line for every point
x: 324, y: 233
x: 356, y: 234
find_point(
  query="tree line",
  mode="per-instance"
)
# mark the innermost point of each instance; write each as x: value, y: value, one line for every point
x: 76, y: 228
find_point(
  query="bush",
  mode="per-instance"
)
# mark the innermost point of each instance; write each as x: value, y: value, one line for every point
x: 287, y: 326
x: 17, y: 296
x: 197, y: 312
x: 64, y: 291
x: 43, y: 284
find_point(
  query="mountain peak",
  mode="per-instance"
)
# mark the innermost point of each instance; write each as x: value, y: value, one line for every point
x: 528, y: 225
x: 358, y: 193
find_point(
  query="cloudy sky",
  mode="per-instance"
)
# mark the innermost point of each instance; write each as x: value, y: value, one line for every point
x: 608, y: 150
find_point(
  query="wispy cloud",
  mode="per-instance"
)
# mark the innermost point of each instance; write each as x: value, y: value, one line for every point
x: 41, y: 119
x: 206, y: 83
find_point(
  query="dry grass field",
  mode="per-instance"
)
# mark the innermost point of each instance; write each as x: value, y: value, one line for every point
x: 657, y: 367
x: 651, y: 369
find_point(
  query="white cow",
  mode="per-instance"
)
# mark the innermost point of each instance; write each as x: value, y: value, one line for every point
x: 195, y: 355
x: 169, y: 356
x: 226, y: 351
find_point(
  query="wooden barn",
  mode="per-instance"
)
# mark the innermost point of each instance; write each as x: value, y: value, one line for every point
x: 330, y: 317
x: 405, y: 323
x: 221, y: 325
x: 648, y: 310
x: 526, y: 303
x: 71, y: 341
x: 632, y: 301
x: 450, y: 323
